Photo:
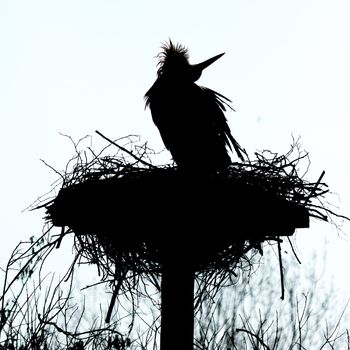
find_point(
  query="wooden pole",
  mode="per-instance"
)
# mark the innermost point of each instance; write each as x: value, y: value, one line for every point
x: 177, y: 314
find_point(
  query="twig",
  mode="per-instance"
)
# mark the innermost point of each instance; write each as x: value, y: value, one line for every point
x: 281, y: 268
x: 293, y: 250
x: 73, y: 334
x: 125, y: 150
x: 114, y: 297
x: 314, y: 188
x: 255, y: 336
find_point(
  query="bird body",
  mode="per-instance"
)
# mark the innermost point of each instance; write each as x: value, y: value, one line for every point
x: 190, y: 118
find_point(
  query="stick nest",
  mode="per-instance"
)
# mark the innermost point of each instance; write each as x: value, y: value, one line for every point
x: 129, y: 216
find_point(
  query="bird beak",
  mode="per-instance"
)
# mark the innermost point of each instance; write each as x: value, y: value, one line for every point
x: 201, y: 66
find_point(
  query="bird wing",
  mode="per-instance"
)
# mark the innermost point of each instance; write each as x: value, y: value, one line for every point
x: 217, y: 103
x: 164, y: 115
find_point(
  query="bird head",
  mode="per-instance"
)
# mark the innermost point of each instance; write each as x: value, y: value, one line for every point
x: 174, y: 64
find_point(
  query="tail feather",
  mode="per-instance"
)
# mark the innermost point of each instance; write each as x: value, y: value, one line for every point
x: 239, y: 150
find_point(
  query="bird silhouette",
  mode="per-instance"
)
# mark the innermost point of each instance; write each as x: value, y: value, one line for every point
x: 190, y: 118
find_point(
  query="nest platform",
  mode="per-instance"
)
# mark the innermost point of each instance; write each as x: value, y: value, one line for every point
x: 158, y: 210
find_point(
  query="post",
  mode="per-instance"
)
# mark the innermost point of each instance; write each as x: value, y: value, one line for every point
x: 177, y: 314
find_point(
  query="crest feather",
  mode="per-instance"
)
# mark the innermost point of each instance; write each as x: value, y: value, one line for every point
x: 172, y: 55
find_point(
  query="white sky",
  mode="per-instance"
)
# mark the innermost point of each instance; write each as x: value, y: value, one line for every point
x: 76, y: 66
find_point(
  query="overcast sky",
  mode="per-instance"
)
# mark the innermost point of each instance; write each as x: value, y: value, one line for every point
x: 77, y: 66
